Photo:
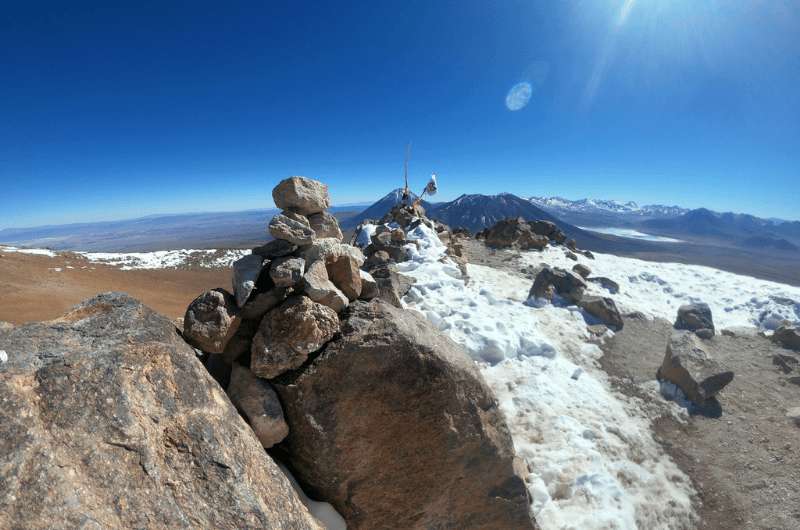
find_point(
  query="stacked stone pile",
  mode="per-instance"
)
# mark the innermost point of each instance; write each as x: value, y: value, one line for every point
x: 286, y: 300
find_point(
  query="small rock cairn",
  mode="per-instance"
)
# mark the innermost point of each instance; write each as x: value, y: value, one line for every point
x: 285, y: 305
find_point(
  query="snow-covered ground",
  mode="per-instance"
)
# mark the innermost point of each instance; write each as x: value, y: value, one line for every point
x: 165, y: 259
x: 593, y: 458
x: 659, y: 289
x: 162, y: 259
x: 629, y: 233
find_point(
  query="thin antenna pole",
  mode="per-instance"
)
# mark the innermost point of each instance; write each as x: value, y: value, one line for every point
x: 406, y: 191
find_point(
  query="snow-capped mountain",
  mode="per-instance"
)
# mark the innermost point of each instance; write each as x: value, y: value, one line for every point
x: 611, y: 206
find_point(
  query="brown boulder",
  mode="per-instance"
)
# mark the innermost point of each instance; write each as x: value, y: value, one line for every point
x: 552, y: 281
x: 582, y: 270
x: 602, y: 308
x: 288, y: 333
x: 787, y: 336
x: 393, y: 424
x: 109, y: 420
x: 346, y: 276
x: 301, y: 194
x: 325, y: 225
x: 318, y: 287
x: 211, y: 320
x: 286, y: 271
x: 688, y: 366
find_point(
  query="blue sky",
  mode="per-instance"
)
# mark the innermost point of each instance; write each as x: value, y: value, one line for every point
x: 110, y: 111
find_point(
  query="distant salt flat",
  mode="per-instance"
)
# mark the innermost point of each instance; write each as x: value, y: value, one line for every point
x: 629, y: 233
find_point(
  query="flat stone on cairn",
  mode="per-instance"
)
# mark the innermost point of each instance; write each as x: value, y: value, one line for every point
x: 302, y: 195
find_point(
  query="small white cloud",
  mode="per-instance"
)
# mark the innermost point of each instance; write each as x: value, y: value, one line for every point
x: 519, y: 96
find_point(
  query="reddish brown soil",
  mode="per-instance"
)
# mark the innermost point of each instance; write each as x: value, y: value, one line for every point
x: 31, y: 289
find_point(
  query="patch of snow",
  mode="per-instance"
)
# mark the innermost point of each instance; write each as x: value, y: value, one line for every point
x: 659, y: 289
x: 325, y: 514
x: 630, y: 234
x: 3, y: 356
x: 593, y: 460
x: 34, y: 251
x: 164, y: 259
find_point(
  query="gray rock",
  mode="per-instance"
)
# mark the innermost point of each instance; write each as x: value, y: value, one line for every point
x: 369, y: 287
x: 606, y: 283
x: 291, y: 227
x: 318, y: 287
x: 287, y: 271
x: 258, y: 306
x: 109, y: 420
x: 688, y: 365
x: 602, y: 308
x: 571, y: 255
x: 211, y: 320
x: 331, y: 249
x: 301, y: 194
x: 245, y: 274
x: 694, y: 317
x: 552, y: 281
x: 394, y: 425
x: 259, y: 404
x: 787, y: 336
x: 275, y: 249
x: 239, y: 344
x: 582, y: 270
x: 290, y: 332
x: 325, y: 225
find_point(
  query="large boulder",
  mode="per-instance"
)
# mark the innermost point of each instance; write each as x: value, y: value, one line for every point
x: 211, y: 320
x: 302, y: 195
x: 325, y: 225
x: 288, y: 333
x: 552, y: 280
x: 582, y: 270
x: 109, y: 420
x: 259, y: 404
x: 688, y: 366
x: 292, y: 227
x: 695, y: 317
x: 393, y: 424
x: 331, y: 249
x: 606, y: 283
x: 346, y: 276
x: 602, y: 308
x: 245, y: 275
x: 787, y: 336
x: 514, y: 232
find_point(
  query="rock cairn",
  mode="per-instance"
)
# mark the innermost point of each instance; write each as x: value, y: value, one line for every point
x: 285, y: 305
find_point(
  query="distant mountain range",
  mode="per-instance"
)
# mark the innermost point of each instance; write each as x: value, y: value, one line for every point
x: 611, y: 206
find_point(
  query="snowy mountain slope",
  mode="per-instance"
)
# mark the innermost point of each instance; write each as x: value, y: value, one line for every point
x: 604, y: 205
x: 593, y: 461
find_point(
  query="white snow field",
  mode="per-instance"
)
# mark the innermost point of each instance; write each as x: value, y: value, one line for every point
x: 659, y: 289
x: 164, y: 259
x: 34, y: 251
x: 593, y: 461
x: 629, y: 233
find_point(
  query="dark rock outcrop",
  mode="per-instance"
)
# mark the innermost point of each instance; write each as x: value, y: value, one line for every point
x: 695, y: 317
x: 552, y: 280
x: 602, y: 308
x: 108, y: 420
x: 393, y: 424
x: 787, y: 336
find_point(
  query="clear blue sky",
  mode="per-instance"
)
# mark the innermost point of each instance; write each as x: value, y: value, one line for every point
x: 110, y: 112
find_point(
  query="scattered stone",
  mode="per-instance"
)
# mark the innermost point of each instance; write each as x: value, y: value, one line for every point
x: 582, y: 270
x: 276, y: 248
x: 325, y: 225
x: 552, y: 281
x: 287, y: 271
x: 318, y: 287
x: 571, y: 244
x: 694, y: 317
x: 571, y: 255
x: 794, y: 415
x: 109, y: 420
x: 439, y: 452
x: 602, y: 308
x: 369, y: 287
x: 376, y: 260
x: 606, y: 283
x: 211, y: 320
x: 259, y: 404
x: 787, y: 336
x: 588, y: 254
x: 705, y: 333
x: 346, y: 276
x: 597, y: 329
x: 245, y: 274
x: 392, y: 285
x: 290, y: 332
x: 301, y: 194
x: 382, y: 241
x: 688, y: 365
x: 786, y: 363
x: 292, y: 227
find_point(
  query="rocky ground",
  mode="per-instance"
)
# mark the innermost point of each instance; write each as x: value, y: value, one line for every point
x: 37, y: 288
x: 744, y: 456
